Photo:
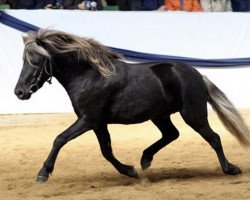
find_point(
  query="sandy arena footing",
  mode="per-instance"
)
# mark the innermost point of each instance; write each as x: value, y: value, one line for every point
x: 186, y: 169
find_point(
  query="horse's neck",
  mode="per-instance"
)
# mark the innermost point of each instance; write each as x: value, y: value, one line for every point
x: 70, y: 75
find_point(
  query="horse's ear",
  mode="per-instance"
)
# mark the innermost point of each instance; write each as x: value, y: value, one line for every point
x: 24, y: 39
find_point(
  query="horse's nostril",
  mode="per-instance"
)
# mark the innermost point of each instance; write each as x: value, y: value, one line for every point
x: 20, y: 93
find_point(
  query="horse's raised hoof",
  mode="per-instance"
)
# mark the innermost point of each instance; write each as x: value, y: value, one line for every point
x: 233, y: 170
x: 145, y: 163
x: 41, y: 179
x: 132, y: 173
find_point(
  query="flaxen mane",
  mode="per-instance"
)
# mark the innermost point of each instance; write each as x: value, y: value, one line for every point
x: 97, y: 55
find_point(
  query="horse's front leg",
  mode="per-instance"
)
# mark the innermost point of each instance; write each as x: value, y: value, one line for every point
x: 76, y: 129
x: 106, y: 148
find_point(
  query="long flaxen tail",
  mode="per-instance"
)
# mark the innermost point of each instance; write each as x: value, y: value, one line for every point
x: 227, y: 113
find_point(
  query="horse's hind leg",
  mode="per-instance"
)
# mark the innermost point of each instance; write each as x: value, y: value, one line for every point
x: 197, y: 119
x: 106, y: 148
x: 169, y: 134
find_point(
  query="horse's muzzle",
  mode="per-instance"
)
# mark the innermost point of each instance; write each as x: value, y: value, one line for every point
x: 21, y: 94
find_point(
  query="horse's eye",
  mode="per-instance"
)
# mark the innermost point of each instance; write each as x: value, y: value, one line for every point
x: 36, y: 61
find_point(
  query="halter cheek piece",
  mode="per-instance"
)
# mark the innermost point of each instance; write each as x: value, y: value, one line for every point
x: 34, y: 87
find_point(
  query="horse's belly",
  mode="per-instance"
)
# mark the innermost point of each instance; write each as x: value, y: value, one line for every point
x: 137, y: 111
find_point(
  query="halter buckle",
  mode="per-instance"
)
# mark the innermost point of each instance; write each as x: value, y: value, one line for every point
x: 33, y: 88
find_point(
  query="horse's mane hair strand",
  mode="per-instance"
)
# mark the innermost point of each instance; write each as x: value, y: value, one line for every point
x: 97, y: 55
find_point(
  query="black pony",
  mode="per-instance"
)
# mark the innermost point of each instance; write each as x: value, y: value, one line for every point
x: 104, y: 89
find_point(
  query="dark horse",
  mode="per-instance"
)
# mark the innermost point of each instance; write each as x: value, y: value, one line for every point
x: 104, y: 89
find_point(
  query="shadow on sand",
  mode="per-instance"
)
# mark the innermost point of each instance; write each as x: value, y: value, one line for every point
x: 112, y: 179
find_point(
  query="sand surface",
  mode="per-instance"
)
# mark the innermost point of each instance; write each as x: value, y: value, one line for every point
x: 186, y: 169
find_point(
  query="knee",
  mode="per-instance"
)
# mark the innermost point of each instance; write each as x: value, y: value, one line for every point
x: 59, y: 142
x: 174, y: 135
x: 167, y: 138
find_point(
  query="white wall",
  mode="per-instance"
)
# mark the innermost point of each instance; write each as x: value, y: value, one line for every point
x: 197, y: 35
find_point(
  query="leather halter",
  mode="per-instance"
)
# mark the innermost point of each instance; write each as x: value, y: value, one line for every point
x: 34, y: 87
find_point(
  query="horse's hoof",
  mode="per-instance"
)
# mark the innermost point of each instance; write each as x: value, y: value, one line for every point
x: 41, y: 179
x: 145, y: 164
x: 133, y: 173
x: 233, y: 170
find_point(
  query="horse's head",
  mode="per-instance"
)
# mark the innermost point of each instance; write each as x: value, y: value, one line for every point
x: 37, y: 69
x: 44, y: 44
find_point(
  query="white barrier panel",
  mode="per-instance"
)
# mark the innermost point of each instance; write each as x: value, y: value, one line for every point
x: 199, y: 35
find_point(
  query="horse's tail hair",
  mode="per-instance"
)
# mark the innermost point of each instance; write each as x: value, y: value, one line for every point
x: 227, y: 113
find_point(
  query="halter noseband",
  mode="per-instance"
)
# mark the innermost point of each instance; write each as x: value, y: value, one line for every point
x: 34, y: 87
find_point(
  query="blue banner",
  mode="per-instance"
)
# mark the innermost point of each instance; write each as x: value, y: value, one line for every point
x: 20, y: 25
